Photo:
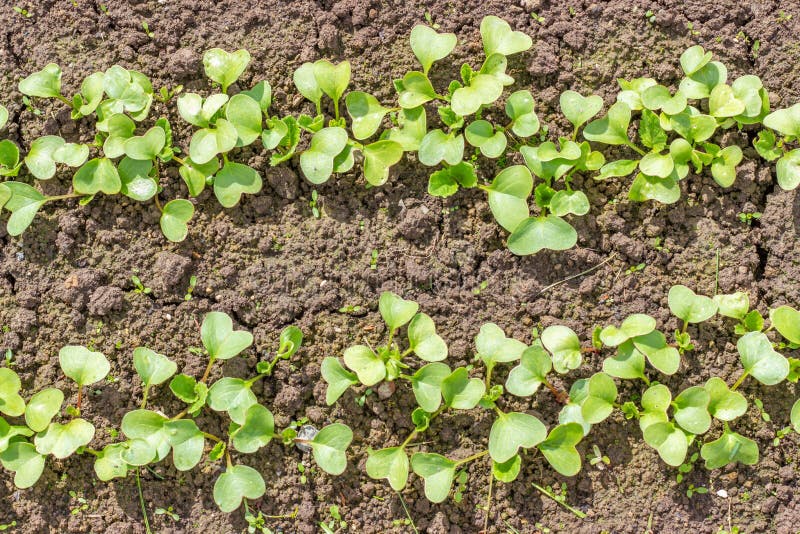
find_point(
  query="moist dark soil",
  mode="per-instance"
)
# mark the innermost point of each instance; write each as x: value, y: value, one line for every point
x: 270, y: 263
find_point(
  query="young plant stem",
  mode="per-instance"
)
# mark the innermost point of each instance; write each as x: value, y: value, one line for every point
x: 582, y: 273
x: 64, y: 100
x: 488, y: 503
x: 408, y: 514
x: 212, y: 437
x: 635, y: 148
x: 738, y: 383
x: 80, y: 398
x: 180, y: 161
x: 62, y: 197
x: 471, y: 458
x: 550, y: 494
x: 561, y: 396
x: 145, y: 391
x: 141, y: 503
x: 685, y: 326
x: 208, y: 369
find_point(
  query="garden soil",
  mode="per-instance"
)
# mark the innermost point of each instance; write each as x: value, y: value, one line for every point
x: 270, y: 263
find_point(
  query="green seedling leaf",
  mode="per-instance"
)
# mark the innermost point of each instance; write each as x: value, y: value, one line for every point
x: 700, y: 83
x: 559, y: 448
x: 317, y: 162
x: 760, y: 360
x: 9, y: 158
x: 225, y: 67
x: 82, y: 365
x: 48, y: 150
x: 416, y: 90
x: 329, y: 446
x: 423, y: 339
x: 245, y: 115
x: 411, y: 130
x: 136, y: 180
x: 366, y: 112
x: 524, y: 379
x: 498, y: 37
x: 658, y: 165
x: 129, y: 91
x: 187, y: 442
x: 722, y: 102
x: 235, y: 180
x: 231, y: 395
x: 11, y: 403
x: 693, y: 59
x: 565, y: 347
x: 736, y: 305
x: 430, y: 46
x: 686, y: 305
x: 11, y: 433
x: 493, y: 346
x: 785, y: 121
x: 368, y: 366
x: 507, y: 471
x: 569, y: 203
x: 750, y: 90
x: 664, y: 190
x: 427, y: 385
x: 237, y: 483
x: 659, y: 97
x: 220, y: 339
x: 153, y: 368
x: 120, y: 129
x: 332, y: 79
x: 175, y: 218
x: 307, y: 83
x: 45, y: 83
x: 786, y: 321
x: 627, y: 364
x: 207, y: 143
x: 787, y: 170
x: 482, y: 134
x: 691, y: 410
x: 42, y: 407
x: 137, y: 452
x: 634, y: 325
x: 3, y: 116
x: 723, y: 167
x: 95, y: 176
x: 438, y: 473
x: 338, y: 378
x: 611, y: 129
x: 190, y: 391
x: 23, y: 204
x: 622, y: 167
x: 601, y: 394
x: 257, y: 430
x: 724, y: 404
x: 147, y: 146
x: 730, y: 447
x: 461, y: 392
x: 108, y: 464
x: 63, y: 440
x: 396, y: 311
x: 198, y: 111
x: 520, y: 108
x: 261, y: 93
x: 656, y: 400
x: 27, y: 464
x: 512, y: 431
x: 670, y: 442
x: 578, y: 109
x: 437, y: 146
x: 149, y: 426
x: 195, y: 175
x: 445, y: 182
x: 544, y: 232
x: 794, y: 417
x: 390, y: 463
x: 508, y: 196
x: 660, y: 355
x: 378, y: 158
x: 482, y: 90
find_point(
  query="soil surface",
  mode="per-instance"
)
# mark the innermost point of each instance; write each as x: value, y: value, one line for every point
x: 270, y: 263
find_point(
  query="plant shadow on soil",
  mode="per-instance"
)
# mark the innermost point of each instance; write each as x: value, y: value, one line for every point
x: 269, y: 263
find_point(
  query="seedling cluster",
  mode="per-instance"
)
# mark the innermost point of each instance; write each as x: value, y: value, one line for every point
x: 674, y: 133
x: 672, y: 422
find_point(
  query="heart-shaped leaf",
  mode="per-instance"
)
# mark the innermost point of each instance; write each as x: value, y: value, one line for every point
x: 736, y: 305
x: 147, y: 146
x: 231, y: 395
x: 120, y: 129
x: 601, y: 394
x: 150, y: 427
x: 660, y: 355
x: 787, y: 170
x: 175, y: 217
x: 520, y: 108
x: 656, y: 400
x: 95, y: 176
x: 220, y: 339
x: 664, y: 190
x: 195, y: 175
x: 513, y: 430
x: 153, y: 368
x: 245, y: 115
x: 482, y: 90
x: 378, y: 158
x: 236, y: 483
x: 332, y: 79
x: 786, y: 321
x: 45, y: 83
x: 627, y: 364
x: 198, y: 111
x: 307, y: 84
x: 42, y: 407
x: 207, y: 143
x: 686, y: 305
x: 724, y: 404
x: 427, y: 385
x: 569, y: 203
x: 544, y: 232
x: 785, y: 121
x: 438, y: 473
x: 63, y: 440
x: 559, y: 448
x: 461, y: 392
x: 730, y: 447
x: 524, y: 379
x: 138, y: 452
x: 317, y: 162
x: 187, y: 443
x: 723, y: 168
x: 670, y: 442
x: 760, y: 360
x: 396, y: 311
x: 701, y: 82
x: 416, y: 90
x: 430, y: 46
x: 234, y: 180
x: 508, y: 196
x: 634, y: 325
x: 136, y: 180
x: 367, y: 113
x: 108, y: 463
x: 722, y: 102
x: 338, y: 378
x: 691, y: 410
x: 27, y: 464
x: 437, y: 146
x: 693, y: 59
x: 445, y: 182
x: 390, y: 463
x: 82, y: 365
x: 482, y: 134
x: 329, y: 446
x: 657, y: 164
x: 578, y: 109
x: 225, y: 67
x: 368, y: 366
x: 48, y: 150
x: 411, y: 130
x: 565, y: 347
x: 659, y: 97
x: 498, y: 37
x: 611, y: 129
x: 492, y: 345
x: 257, y: 430
x: 423, y: 339
x: 11, y: 403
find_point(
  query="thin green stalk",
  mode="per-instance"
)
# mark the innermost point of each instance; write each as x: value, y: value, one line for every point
x: 550, y: 494
x: 408, y: 514
x: 738, y: 383
x: 471, y: 458
x: 635, y: 148
x: 145, y: 391
x: 141, y: 503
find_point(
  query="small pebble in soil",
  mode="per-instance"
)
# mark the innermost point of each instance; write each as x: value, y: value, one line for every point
x: 307, y: 433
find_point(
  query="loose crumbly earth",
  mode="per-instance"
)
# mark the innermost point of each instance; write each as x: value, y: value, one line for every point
x: 270, y: 263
